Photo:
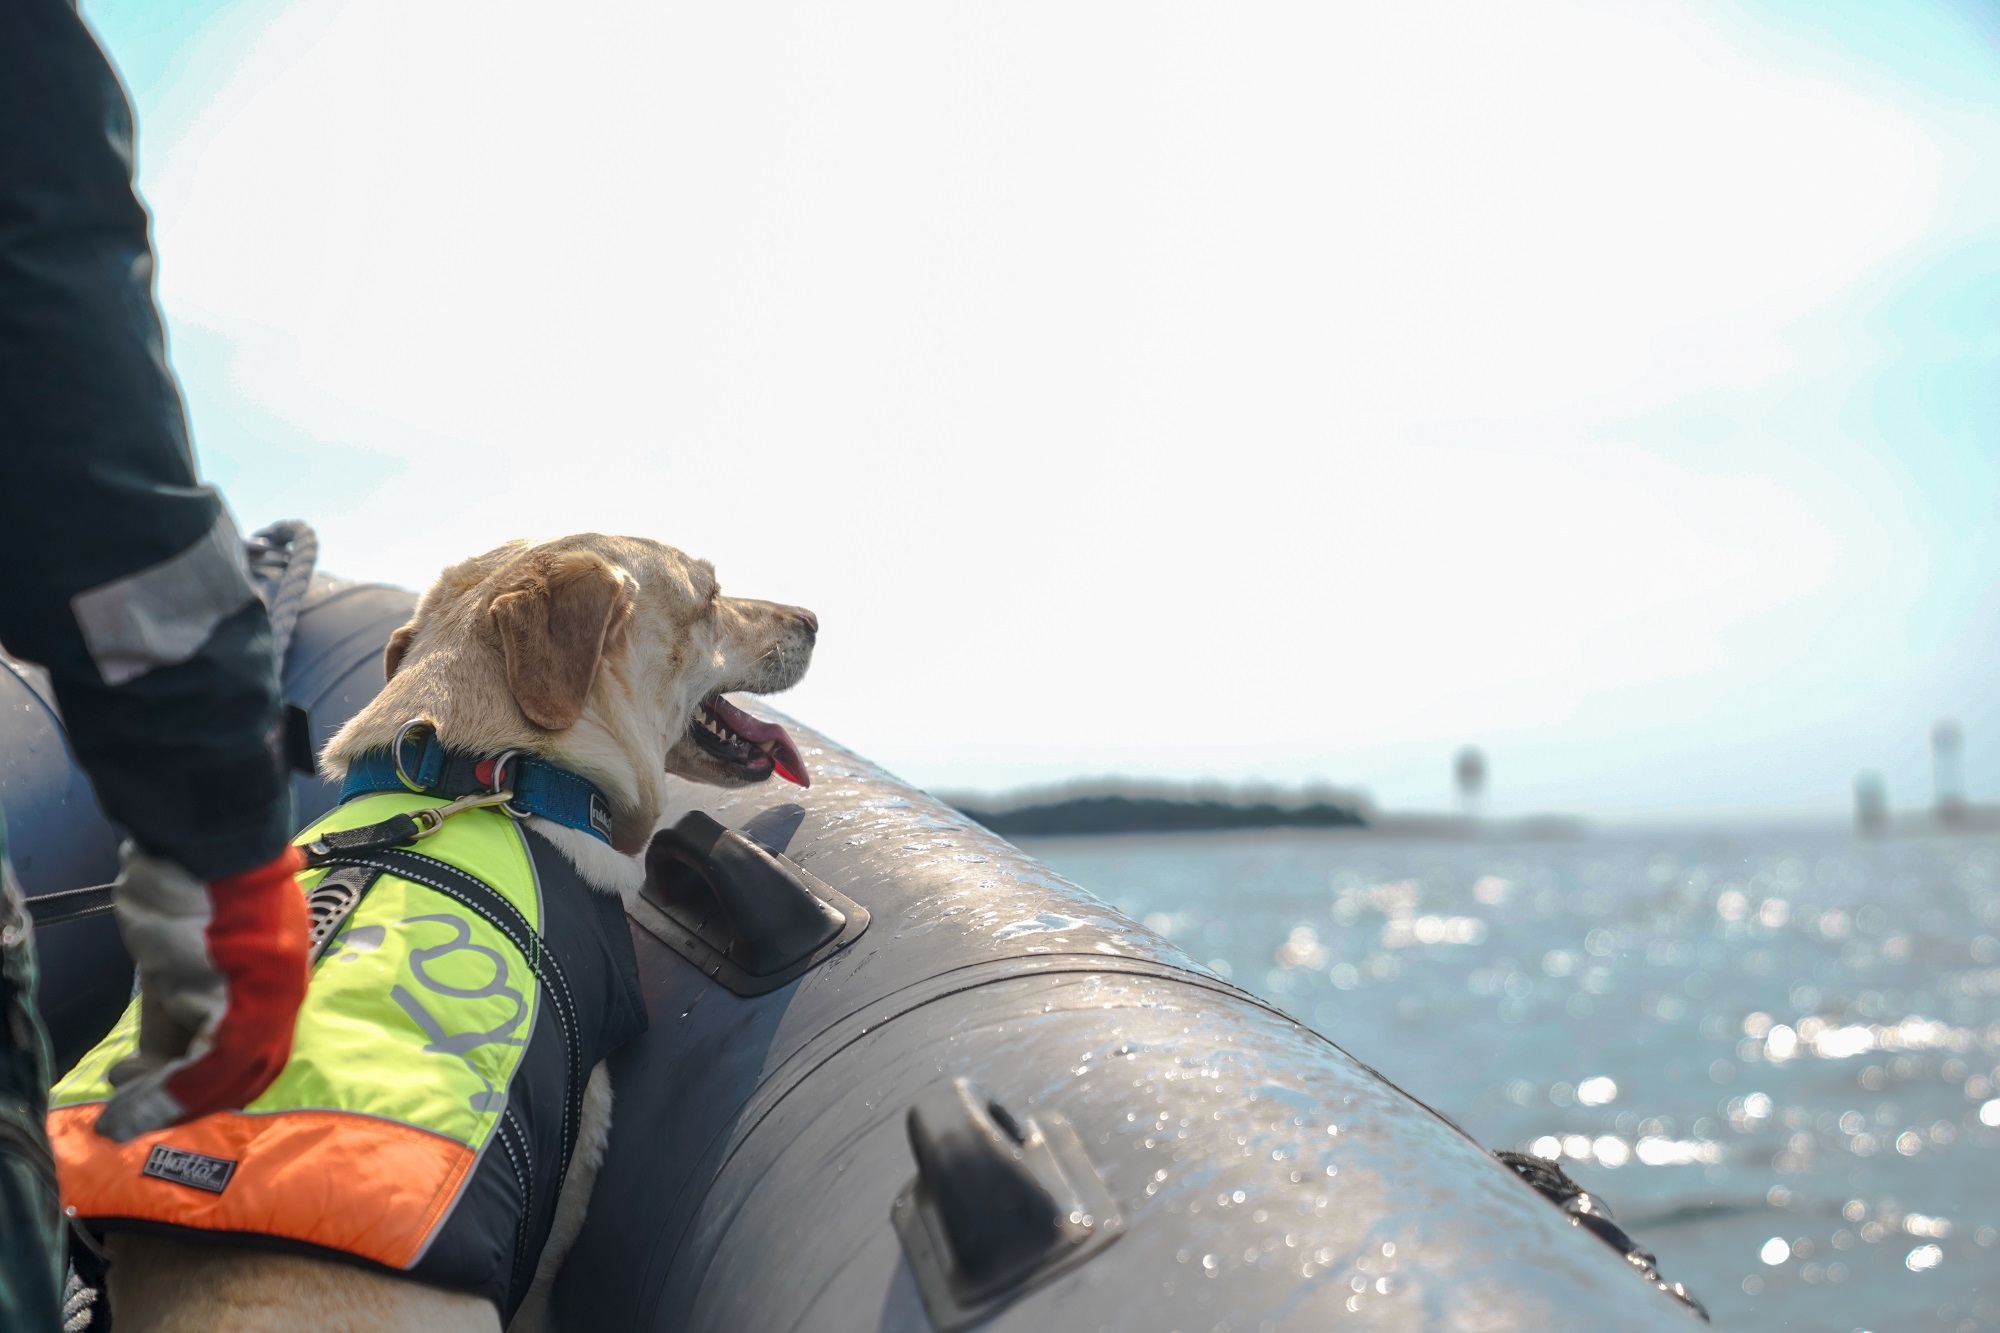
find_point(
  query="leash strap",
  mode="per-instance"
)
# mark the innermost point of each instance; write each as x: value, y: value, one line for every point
x: 53, y: 909
x: 395, y: 831
x: 419, y: 762
x: 392, y: 832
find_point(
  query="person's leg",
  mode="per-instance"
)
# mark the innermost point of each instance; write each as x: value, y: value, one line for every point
x: 31, y: 1237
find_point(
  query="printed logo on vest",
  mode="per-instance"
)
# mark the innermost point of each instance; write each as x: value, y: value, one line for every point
x: 600, y: 815
x: 189, y: 1168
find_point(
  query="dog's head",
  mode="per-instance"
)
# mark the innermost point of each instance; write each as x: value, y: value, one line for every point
x: 600, y: 653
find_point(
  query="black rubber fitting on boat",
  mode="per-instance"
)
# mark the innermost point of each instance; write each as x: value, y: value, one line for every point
x: 751, y: 919
x: 999, y: 1205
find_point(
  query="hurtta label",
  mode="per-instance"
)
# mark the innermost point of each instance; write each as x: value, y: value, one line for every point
x: 189, y: 1168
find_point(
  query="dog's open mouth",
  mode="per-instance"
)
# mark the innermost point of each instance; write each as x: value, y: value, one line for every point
x: 754, y: 748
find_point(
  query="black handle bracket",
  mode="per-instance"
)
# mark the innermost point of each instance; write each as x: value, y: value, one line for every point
x: 999, y: 1205
x: 751, y: 919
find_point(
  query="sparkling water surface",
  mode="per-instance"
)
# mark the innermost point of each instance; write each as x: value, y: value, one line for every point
x: 1774, y: 1052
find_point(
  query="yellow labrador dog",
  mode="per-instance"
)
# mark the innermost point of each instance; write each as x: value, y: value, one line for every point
x: 606, y: 656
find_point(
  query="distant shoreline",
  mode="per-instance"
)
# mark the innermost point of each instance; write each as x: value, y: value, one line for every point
x: 1111, y: 807
x: 1154, y: 814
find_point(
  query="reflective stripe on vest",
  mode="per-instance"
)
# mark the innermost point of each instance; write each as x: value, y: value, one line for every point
x: 414, y: 1025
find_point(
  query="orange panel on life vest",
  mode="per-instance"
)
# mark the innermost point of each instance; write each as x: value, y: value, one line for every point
x: 371, y: 1187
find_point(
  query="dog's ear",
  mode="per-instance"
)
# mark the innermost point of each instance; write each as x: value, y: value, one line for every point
x: 559, y: 614
x: 399, y: 643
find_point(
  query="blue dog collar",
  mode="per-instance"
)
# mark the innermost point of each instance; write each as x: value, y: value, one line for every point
x: 427, y: 767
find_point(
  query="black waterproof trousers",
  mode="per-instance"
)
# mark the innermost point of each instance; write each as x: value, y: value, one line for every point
x: 31, y: 1230
x: 119, y: 571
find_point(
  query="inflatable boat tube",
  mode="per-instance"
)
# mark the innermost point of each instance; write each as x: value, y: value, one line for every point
x: 900, y: 1076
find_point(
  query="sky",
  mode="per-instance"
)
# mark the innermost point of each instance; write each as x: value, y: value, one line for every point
x: 1278, y: 392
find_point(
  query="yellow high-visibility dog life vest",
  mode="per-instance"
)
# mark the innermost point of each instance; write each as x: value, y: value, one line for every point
x: 430, y: 1105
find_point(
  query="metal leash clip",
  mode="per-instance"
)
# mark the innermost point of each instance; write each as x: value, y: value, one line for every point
x: 429, y: 821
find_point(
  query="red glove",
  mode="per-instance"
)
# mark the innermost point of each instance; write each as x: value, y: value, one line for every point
x: 222, y: 972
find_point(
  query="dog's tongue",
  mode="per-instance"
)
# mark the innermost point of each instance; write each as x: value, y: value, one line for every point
x: 785, y: 761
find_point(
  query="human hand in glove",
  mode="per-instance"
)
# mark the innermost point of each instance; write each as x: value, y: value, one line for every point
x: 222, y: 972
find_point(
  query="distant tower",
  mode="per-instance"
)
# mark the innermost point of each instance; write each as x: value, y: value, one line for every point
x: 1947, y: 771
x: 1871, y: 806
x: 1470, y: 771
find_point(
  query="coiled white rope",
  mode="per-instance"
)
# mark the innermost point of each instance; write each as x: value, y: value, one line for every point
x: 285, y: 554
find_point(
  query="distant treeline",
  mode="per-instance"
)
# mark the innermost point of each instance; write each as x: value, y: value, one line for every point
x: 1127, y: 805
x: 1156, y: 814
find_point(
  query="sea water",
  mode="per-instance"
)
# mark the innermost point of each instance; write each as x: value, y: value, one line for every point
x: 1775, y: 1053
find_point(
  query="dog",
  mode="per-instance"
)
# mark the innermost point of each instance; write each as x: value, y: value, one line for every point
x: 608, y: 657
